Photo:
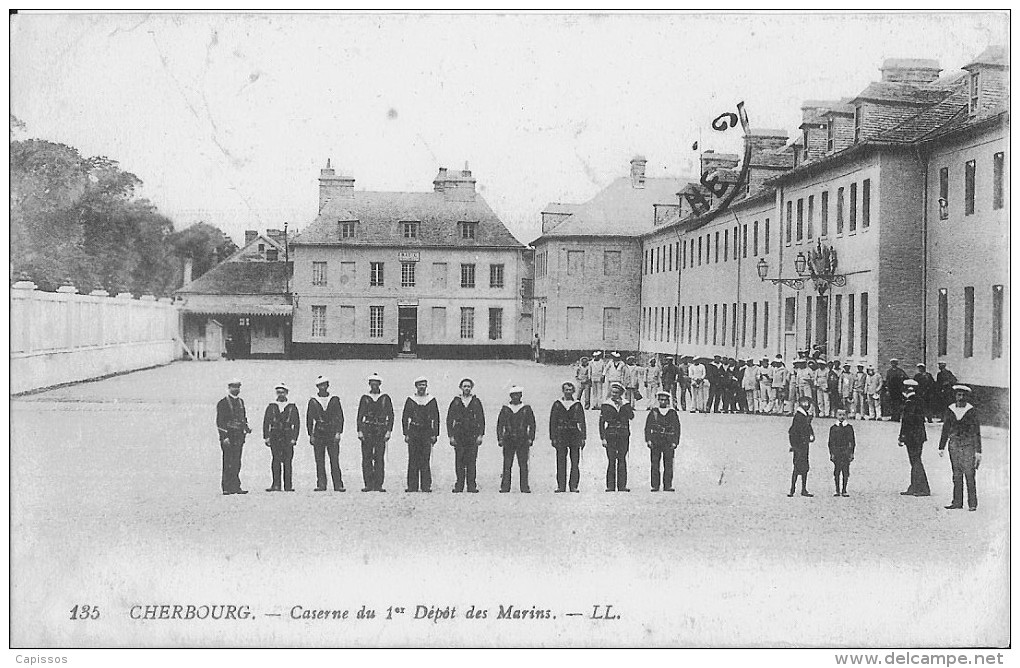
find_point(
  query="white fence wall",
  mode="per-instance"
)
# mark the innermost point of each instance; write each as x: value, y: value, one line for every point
x: 62, y: 337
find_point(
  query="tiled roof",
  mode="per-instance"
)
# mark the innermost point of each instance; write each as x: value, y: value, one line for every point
x: 379, y: 215
x: 768, y: 159
x: 928, y: 121
x: 620, y: 209
x: 241, y: 278
x: 886, y: 91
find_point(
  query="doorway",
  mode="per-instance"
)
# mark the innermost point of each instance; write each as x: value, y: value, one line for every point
x: 407, y: 330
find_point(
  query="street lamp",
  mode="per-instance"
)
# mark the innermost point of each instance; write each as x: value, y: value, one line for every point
x: 796, y: 283
x: 800, y: 264
x: 763, y: 269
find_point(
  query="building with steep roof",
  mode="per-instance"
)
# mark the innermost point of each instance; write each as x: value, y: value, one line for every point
x: 433, y: 274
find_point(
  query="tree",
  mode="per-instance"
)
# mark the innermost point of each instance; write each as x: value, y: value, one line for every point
x: 205, y: 244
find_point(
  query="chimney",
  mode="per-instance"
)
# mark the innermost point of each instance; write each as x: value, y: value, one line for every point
x: 839, y: 127
x: 637, y: 171
x: 768, y: 140
x: 249, y: 236
x: 456, y: 186
x: 987, y: 82
x: 916, y: 71
x: 711, y: 161
x: 333, y: 186
x: 814, y: 125
x: 188, y: 264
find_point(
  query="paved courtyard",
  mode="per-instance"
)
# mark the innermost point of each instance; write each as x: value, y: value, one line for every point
x: 115, y: 502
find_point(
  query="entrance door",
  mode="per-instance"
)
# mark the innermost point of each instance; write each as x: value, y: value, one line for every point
x: 407, y: 330
x: 822, y: 323
x: 238, y: 344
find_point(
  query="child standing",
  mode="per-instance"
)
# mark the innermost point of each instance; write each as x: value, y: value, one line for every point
x: 842, y: 443
x: 801, y: 436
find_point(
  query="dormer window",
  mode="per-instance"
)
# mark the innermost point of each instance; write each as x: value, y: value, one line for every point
x: 411, y: 229
x: 468, y: 230
x: 272, y: 255
x: 830, y: 136
x: 346, y: 229
x: 858, y: 121
x: 975, y: 87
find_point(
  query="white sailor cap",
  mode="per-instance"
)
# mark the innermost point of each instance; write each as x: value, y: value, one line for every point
x: 615, y: 355
x: 516, y: 389
x: 616, y: 383
x: 663, y: 393
x: 281, y: 386
x: 233, y: 381
x: 375, y: 376
x: 321, y: 379
x: 596, y: 353
x: 961, y: 388
x: 910, y: 382
x: 421, y: 379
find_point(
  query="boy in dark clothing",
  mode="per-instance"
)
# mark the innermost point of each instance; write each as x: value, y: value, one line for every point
x: 567, y: 432
x: 662, y: 435
x: 280, y: 428
x: 801, y: 436
x: 515, y: 432
x: 842, y: 443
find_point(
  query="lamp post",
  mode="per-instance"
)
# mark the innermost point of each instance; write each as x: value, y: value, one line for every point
x: 796, y: 283
x: 820, y: 268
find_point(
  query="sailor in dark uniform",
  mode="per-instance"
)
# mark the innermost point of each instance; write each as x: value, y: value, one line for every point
x: 614, y: 430
x: 515, y: 432
x: 281, y: 426
x: 913, y: 436
x: 567, y: 432
x: 801, y: 437
x: 465, y: 425
x: 961, y: 431
x: 375, y: 423
x: 662, y: 435
x: 324, y: 420
x: 420, y: 421
x: 232, y: 425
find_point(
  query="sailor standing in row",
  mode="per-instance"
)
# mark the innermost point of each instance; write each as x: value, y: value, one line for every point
x: 420, y: 421
x: 465, y: 425
x: 232, y: 426
x: 961, y: 431
x: 324, y: 420
x: 281, y: 426
x: 614, y: 430
x: 662, y: 435
x: 375, y: 423
x: 515, y: 432
x: 567, y: 432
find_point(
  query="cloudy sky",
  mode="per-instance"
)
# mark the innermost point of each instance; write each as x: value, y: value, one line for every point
x: 228, y: 118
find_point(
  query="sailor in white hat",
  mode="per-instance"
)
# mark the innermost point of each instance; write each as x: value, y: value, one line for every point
x: 961, y: 431
x: 232, y: 426
x: 465, y: 425
x: 324, y: 419
x: 280, y: 428
x: 598, y: 378
x: 616, y: 370
x: 420, y: 422
x: 375, y: 424
x: 515, y: 432
x: 614, y: 430
x: 567, y: 432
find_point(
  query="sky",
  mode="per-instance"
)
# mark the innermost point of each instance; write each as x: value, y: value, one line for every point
x: 227, y: 118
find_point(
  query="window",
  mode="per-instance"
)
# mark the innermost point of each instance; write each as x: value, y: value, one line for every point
x: 347, y: 331
x: 968, y: 322
x: 439, y: 275
x: 644, y: 266
x: 943, y: 193
x: 765, y: 325
x: 743, y: 327
x: 853, y: 207
x: 943, y: 324
x: 495, y: 324
x: 467, y: 323
x: 410, y: 230
x: 375, y: 322
x: 610, y: 324
x: 575, y: 263
x: 865, y: 203
x: 715, y: 324
x: 375, y: 274
x: 789, y: 222
x: 975, y: 88
x: 575, y: 322
x: 318, y: 321
x: 807, y: 322
x: 825, y: 214
x: 348, y: 274
x: 438, y: 323
x: 495, y: 276
x: 756, y: 238
x: 670, y: 262
x: 467, y: 275
x: 611, y: 261
x: 319, y: 277
x: 810, y: 216
x: 699, y: 251
x: 800, y: 219
x: 839, y: 211
x: 262, y: 248
x: 733, y: 329
x: 726, y: 245
x: 724, y: 324
x: 968, y: 187
x: 864, y: 323
x: 662, y: 322
x: 717, y: 248
x: 346, y: 229
x: 996, y: 321
x: 791, y: 314
x: 858, y: 121
x: 837, y: 327
x: 697, y: 326
x: 272, y: 255
x: 850, y: 322
x: 407, y: 274
x: 690, y: 324
x: 998, y: 163
x: 708, y: 248
x: 683, y: 256
x: 829, y: 136
x: 767, y: 234
x: 468, y: 230
x: 669, y: 322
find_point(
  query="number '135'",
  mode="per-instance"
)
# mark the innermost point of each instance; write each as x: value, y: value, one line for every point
x: 85, y: 612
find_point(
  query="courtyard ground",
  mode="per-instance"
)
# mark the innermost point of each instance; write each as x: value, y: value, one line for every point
x: 115, y: 503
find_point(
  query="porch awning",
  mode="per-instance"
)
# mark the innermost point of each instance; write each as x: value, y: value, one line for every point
x: 240, y: 309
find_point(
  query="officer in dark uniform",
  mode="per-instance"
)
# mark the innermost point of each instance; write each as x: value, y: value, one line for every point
x: 465, y: 425
x: 944, y: 382
x: 662, y: 435
x: 961, y: 431
x: 375, y: 424
x: 913, y: 436
x: 713, y: 373
x: 420, y: 421
x: 801, y: 436
x: 324, y: 420
x: 281, y: 426
x: 894, y: 386
x: 670, y: 378
x: 232, y: 425
x: 515, y: 432
x: 567, y: 432
x: 614, y: 430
